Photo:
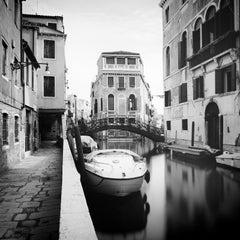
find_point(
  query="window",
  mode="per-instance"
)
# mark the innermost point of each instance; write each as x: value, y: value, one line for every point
x: 16, y: 128
x: 209, y: 29
x: 132, y: 103
x: 101, y: 104
x: 27, y: 71
x: 110, y: 120
x: 168, y: 61
x: 49, y: 86
x: 110, y: 81
x: 168, y: 125
x: 4, y: 58
x: 197, y: 36
x: 121, y: 82
x: 131, y: 61
x: 131, y: 121
x: 167, y: 96
x: 167, y: 14
x: 183, y: 93
x: 198, y: 87
x: 110, y: 60
x: 132, y: 82
x: 184, y: 124
x: 49, y: 49
x: 225, y: 79
x: 5, y: 129
x: 121, y: 120
x: 182, y: 51
x: 95, y: 106
x: 110, y: 102
x: 52, y: 25
x: 120, y: 60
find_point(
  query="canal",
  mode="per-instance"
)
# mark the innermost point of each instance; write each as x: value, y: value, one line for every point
x: 182, y: 200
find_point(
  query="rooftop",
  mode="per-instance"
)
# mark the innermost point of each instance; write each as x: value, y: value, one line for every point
x: 120, y: 53
x: 42, y: 16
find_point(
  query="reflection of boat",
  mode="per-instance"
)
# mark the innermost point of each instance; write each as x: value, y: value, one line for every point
x: 118, y: 214
x: 114, y: 171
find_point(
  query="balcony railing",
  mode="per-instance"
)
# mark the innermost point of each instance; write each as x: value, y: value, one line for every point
x: 220, y: 45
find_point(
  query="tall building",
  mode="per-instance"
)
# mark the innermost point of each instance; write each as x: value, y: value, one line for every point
x: 120, y: 90
x: 201, y: 72
x: 46, y: 36
x: 11, y: 94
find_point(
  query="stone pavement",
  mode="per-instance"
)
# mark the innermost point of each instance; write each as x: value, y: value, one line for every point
x: 30, y: 196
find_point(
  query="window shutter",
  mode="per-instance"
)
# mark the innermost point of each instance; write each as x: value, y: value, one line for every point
x: 233, y: 77
x: 196, y: 40
x: 180, y: 93
x: 184, y: 92
x: 194, y: 89
x: 184, y: 52
x: 218, y: 81
x: 204, y: 34
x: 165, y: 98
x: 201, y: 86
x: 179, y: 55
x: 135, y: 104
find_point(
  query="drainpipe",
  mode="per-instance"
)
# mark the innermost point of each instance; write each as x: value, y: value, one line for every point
x: 22, y: 56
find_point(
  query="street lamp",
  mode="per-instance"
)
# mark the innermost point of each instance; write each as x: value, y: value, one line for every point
x: 18, y: 65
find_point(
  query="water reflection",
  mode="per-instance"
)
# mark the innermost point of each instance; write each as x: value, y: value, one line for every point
x: 187, y: 201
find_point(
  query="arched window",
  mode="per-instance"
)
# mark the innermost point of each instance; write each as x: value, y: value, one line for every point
x: 209, y: 30
x: 110, y: 102
x: 197, y: 35
x: 168, y: 61
x: 95, y: 106
x: 132, y: 103
x: 182, y: 51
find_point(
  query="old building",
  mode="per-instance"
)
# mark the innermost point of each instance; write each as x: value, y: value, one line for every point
x: 120, y: 92
x: 11, y: 94
x: 201, y: 72
x: 47, y: 38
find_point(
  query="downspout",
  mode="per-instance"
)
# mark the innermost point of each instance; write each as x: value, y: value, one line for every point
x: 21, y: 55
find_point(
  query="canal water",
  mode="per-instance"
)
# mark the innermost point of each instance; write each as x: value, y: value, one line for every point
x: 182, y: 200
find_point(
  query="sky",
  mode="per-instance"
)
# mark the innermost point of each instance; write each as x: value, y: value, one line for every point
x: 96, y: 26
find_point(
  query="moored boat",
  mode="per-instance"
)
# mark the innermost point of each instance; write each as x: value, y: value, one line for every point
x: 229, y: 159
x: 115, y: 172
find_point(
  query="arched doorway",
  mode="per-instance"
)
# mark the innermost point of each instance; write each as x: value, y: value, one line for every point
x: 213, y: 126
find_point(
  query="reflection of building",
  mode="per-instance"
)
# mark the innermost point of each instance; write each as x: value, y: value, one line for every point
x: 120, y: 90
x: 83, y: 107
x: 201, y: 71
x: 47, y: 38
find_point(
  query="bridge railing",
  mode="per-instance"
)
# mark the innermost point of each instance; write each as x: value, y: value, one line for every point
x: 143, y: 126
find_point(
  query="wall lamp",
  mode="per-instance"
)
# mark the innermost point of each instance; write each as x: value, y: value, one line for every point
x: 18, y: 65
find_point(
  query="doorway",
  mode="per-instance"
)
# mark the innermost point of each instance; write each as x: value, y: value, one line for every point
x: 214, y: 126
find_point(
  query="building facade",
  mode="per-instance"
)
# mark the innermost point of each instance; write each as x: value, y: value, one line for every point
x: 201, y: 72
x: 47, y: 38
x: 11, y: 94
x: 120, y: 92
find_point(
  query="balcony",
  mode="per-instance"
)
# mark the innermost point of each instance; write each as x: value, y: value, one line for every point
x: 220, y: 45
x: 125, y: 67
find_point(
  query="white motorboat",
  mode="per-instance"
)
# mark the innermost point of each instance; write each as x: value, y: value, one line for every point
x: 115, y: 172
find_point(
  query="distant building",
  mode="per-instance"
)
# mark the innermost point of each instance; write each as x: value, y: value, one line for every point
x: 120, y: 91
x: 46, y: 36
x: 201, y: 72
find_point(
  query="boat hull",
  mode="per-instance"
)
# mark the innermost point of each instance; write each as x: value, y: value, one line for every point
x: 111, y: 186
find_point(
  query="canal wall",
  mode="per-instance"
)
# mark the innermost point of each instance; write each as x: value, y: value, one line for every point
x: 75, y: 220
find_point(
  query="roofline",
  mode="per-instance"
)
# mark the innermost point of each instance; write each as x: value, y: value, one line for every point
x: 120, y: 53
x: 42, y: 16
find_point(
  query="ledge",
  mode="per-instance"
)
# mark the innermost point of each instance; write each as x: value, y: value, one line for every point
x: 75, y: 220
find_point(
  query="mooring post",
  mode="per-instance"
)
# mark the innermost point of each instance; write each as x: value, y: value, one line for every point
x: 193, y: 130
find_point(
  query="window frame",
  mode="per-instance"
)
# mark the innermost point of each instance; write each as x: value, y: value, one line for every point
x: 168, y: 125
x: 185, y: 124
x: 43, y: 92
x: 45, y: 57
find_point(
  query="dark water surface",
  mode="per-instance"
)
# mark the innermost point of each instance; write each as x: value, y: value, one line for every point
x: 183, y: 200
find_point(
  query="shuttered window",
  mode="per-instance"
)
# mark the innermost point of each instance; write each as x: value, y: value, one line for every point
x: 4, y: 58
x: 132, y: 82
x: 168, y: 125
x: 184, y: 124
x: 49, y: 49
x: 49, y: 86
x: 121, y: 82
x: 95, y: 106
x: 183, y: 93
x: 110, y: 60
x: 182, y: 51
x: 16, y: 128
x: 225, y: 79
x: 167, y: 96
x: 110, y: 81
x: 120, y: 60
x: 168, y: 61
x: 131, y: 61
x: 198, y: 87
x: 5, y: 129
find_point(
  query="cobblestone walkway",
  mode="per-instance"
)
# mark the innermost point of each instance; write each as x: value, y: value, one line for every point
x: 30, y: 196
